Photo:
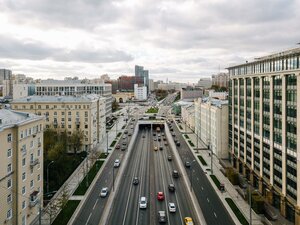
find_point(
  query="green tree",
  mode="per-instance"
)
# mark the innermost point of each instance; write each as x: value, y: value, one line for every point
x: 76, y: 140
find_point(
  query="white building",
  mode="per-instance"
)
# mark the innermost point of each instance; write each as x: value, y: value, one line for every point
x: 76, y: 87
x: 20, y: 91
x: 140, y: 92
x: 188, y: 115
x: 211, y: 124
x: 171, y: 86
x: 217, y: 95
x: 220, y: 80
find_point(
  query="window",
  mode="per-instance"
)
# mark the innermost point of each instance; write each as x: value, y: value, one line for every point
x: 86, y: 113
x: 31, y: 144
x: 62, y: 113
x: 24, y: 162
x: 9, y: 138
x: 9, y: 198
x: 23, y: 204
x: 39, y: 177
x: 31, y: 184
x: 39, y: 152
x: 23, y: 176
x: 23, y: 190
x: 69, y: 126
x: 70, y: 113
x: 9, y: 153
x: 86, y: 126
x: 9, y: 168
x: 21, y: 134
x: 9, y: 183
x: 9, y: 214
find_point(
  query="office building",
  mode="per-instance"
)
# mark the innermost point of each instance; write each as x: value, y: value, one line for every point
x: 220, y: 80
x: 21, y: 166
x: 211, y: 124
x: 140, y: 92
x: 144, y: 74
x: 190, y: 93
x: 205, y: 83
x: 264, y: 127
x: 76, y: 87
x: 85, y: 113
x: 126, y: 83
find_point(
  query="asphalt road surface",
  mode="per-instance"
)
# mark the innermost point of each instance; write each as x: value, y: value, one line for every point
x: 155, y: 174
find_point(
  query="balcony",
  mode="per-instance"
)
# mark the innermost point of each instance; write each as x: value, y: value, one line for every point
x: 34, y: 162
x: 33, y: 199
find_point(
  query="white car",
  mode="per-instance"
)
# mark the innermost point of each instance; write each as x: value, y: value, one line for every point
x: 143, y: 203
x: 104, y: 192
x: 117, y: 163
x: 172, y: 207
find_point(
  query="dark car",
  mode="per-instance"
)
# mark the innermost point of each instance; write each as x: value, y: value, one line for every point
x: 187, y: 164
x: 175, y: 174
x: 135, y: 181
x: 171, y: 187
x: 177, y: 143
x: 160, y: 148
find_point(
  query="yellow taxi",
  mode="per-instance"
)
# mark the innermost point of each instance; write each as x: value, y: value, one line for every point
x: 188, y: 221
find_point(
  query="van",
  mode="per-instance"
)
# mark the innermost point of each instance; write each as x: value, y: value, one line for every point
x: 162, y: 217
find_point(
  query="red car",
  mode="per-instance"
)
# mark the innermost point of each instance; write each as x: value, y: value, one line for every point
x: 160, y: 196
x: 118, y: 146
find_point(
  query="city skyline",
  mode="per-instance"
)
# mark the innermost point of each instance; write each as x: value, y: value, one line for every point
x: 183, y: 42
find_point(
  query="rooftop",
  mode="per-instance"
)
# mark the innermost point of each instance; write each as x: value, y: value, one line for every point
x: 79, y: 98
x: 72, y: 82
x: 10, y: 118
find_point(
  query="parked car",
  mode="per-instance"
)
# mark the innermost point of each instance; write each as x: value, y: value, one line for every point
x: 172, y: 207
x: 104, y: 192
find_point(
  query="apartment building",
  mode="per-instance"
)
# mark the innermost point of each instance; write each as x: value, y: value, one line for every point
x: 76, y: 87
x: 188, y: 115
x: 21, y: 166
x: 85, y: 113
x: 264, y: 127
x: 211, y: 124
x: 140, y: 92
x: 191, y: 93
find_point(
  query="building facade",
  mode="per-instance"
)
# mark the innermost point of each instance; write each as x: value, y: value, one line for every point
x: 126, y: 83
x: 76, y: 87
x: 20, y: 91
x: 191, y: 93
x: 220, y: 80
x: 21, y: 166
x: 188, y: 115
x: 144, y: 74
x: 140, y: 92
x: 211, y: 121
x: 264, y: 127
x: 85, y: 113
x: 205, y: 82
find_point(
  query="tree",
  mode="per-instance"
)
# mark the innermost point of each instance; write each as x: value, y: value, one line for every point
x: 76, y: 140
x: 115, y: 105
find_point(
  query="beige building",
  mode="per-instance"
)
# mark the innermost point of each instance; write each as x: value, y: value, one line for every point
x: 85, y: 113
x: 19, y: 90
x: 264, y: 127
x: 122, y: 97
x: 211, y: 124
x: 191, y: 93
x: 21, y: 166
x: 220, y: 80
x: 188, y: 115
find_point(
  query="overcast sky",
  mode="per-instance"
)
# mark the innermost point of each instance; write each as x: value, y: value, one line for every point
x: 176, y: 39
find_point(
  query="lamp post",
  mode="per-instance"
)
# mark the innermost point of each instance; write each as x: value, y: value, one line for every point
x: 191, y: 174
x: 211, y: 157
x: 250, y: 204
x: 113, y: 178
x: 48, y: 175
x: 106, y: 142
x: 197, y: 134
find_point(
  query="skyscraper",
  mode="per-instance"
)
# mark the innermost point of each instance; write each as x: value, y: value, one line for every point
x: 140, y: 72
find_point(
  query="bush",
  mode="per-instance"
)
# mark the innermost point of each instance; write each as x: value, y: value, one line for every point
x: 186, y: 136
x: 66, y: 213
x: 232, y: 176
x: 152, y: 110
x: 119, y: 134
x: 191, y: 143
x: 202, y: 160
x: 236, y: 211
x: 113, y: 143
x: 216, y: 181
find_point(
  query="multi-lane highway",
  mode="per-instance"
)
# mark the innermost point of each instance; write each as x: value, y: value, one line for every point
x: 211, y: 206
x: 155, y: 174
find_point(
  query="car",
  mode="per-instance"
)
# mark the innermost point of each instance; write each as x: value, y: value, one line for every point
x: 171, y: 187
x: 178, y: 143
x: 166, y: 143
x: 172, y: 207
x: 164, y: 138
x: 171, y: 129
x: 123, y: 148
x: 169, y: 158
x: 143, y: 203
x: 159, y: 139
x: 154, y: 139
x: 187, y: 164
x: 173, y: 134
x: 160, y: 148
x: 124, y: 143
x: 155, y: 148
x: 126, y: 131
x: 162, y: 217
x: 117, y: 163
x: 175, y: 174
x: 135, y: 181
x: 188, y: 221
x: 118, y: 146
x: 129, y: 134
x: 124, y: 137
x: 160, y: 196
x: 154, y: 134
x: 104, y: 192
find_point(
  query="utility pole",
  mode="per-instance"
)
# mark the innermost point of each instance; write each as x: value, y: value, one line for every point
x: 250, y: 204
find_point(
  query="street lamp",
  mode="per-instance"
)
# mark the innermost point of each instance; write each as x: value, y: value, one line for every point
x: 48, y: 175
x: 250, y: 204
x: 106, y: 142
x: 113, y: 178
x: 211, y: 157
x: 191, y: 174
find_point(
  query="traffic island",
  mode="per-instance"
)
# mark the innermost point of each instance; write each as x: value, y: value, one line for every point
x: 66, y: 213
x: 86, y: 182
x: 236, y: 211
x: 202, y: 160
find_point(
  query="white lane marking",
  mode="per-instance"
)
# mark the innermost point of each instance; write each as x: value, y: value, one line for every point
x: 197, y: 179
x: 207, y: 200
x: 202, y: 188
x: 215, y: 214
x: 88, y: 219
x: 106, y: 181
x: 95, y: 203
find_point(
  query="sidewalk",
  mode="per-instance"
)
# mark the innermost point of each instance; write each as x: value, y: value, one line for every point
x: 230, y: 189
x: 68, y: 188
